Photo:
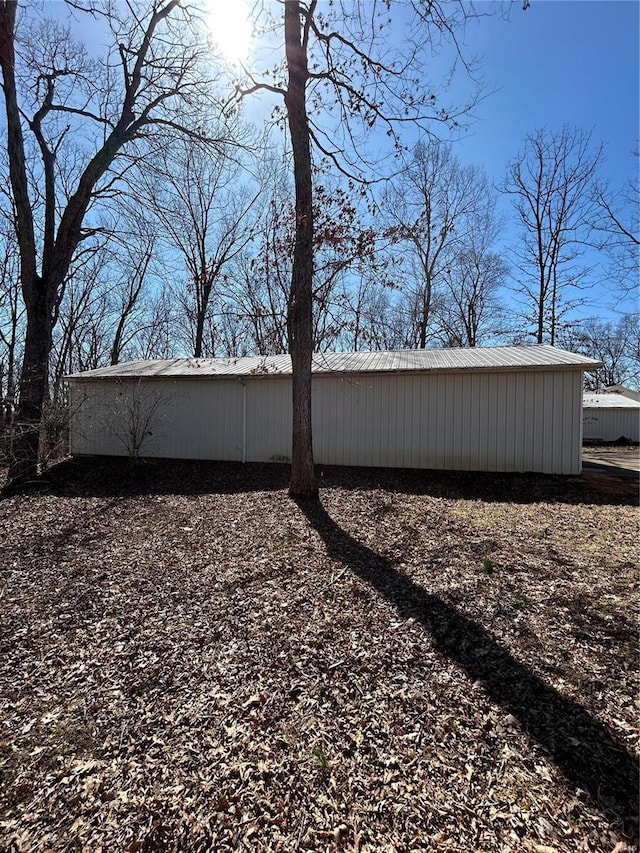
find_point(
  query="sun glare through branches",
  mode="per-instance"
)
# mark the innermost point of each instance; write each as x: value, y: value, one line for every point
x: 230, y: 28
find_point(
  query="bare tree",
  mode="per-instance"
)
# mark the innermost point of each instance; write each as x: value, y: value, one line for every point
x: 152, y: 74
x: 616, y: 229
x: 341, y: 80
x: 135, y: 414
x: 431, y: 209
x: 369, y: 315
x: 79, y: 339
x: 298, y: 25
x: 11, y: 314
x: 128, y: 293
x: 472, y: 310
x: 205, y: 205
x: 551, y: 182
x: 155, y: 338
x: 104, y: 302
x: 615, y: 343
x: 261, y: 278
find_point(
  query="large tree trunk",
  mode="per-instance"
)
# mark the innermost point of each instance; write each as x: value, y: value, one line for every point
x: 425, y: 314
x: 33, y: 386
x: 37, y: 343
x: 200, y: 318
x: 41, y: 292
x: 197, y: 350
x: 542, y: 302
x: 303, y: 480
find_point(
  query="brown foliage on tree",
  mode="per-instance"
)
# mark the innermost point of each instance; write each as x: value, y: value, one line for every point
x: 341, y: 80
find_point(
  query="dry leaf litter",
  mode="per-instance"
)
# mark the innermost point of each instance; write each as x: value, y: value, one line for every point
x: 425, y: 661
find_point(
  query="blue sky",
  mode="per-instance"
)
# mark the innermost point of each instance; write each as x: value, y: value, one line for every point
x: 561, y: 61
x: 572, y: 61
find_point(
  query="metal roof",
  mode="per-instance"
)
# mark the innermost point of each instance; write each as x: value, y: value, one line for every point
x: 622, y: 389
x: 420, y: 361
x: 608, y: 401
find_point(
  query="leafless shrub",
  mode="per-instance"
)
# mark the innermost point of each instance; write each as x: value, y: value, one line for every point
x: 135, y: 414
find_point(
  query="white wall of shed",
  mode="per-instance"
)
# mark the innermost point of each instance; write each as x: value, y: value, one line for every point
x: 269, y: 416
x: 605, y: 424
x: 187, y: 420
x: 477, y: 420
x: 525, y: 421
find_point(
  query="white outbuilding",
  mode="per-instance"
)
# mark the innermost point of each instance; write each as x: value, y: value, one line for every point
x: 609, y: 417
x: 482, y: 409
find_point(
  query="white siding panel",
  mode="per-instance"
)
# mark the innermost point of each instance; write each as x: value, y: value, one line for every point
x: 167, y: 419
x: 87, y: 427
x: 608, y: 424
x: 572, y: 447
x: 115, y: 419
x: 520, y: 421
x: 499, y: 422
x: 204, y: 420
x: 268, y: 425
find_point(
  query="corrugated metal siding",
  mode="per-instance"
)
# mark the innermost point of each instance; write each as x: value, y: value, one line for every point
x: 606, y: 424
x: 522, y: 421
x: 207, y: 420
x: 111, y: 419
x: 500, y: 422
x: 268, y: 424
x: 185, y: 420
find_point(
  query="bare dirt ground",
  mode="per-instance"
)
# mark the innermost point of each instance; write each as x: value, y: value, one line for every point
x: 620, y: 458
x: 425, y: 661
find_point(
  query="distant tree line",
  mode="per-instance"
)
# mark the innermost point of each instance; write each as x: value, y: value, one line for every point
x: 194, y: 259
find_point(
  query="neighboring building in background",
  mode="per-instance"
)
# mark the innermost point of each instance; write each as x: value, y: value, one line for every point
x: 610, y: 416
x: 622, y: 389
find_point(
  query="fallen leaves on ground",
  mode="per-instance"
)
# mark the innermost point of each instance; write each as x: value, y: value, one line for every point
x: 191, y: 661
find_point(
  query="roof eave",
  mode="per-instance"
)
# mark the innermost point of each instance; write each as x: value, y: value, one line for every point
x: 519, y: 368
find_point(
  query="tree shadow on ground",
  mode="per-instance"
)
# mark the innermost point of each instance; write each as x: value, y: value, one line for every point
x: 582, y: 748
x: 120, y: 477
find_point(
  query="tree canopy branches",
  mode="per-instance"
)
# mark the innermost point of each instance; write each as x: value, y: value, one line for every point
x: 360, y: 80
x: 158, y: 75
x: 145, y: 219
